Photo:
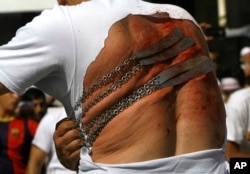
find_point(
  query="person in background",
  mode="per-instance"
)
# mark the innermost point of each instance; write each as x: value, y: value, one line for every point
x: 38, y: 99
x: 231, y: 79
x: 238, y: 126
x: 228, y: 85
x: 17, y: 132
x: 43, y: 148
x: 238, y: 114
x: 122, y: 52
x: 245, y: 63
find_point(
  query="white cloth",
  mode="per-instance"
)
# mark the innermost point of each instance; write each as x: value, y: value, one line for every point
x: 229, y: 83
x: 55, y: 49
x: 44, y: 140
x: 213, y: 162
x: 244, y: 51
x: 238, y: 118
x: 243, y: 31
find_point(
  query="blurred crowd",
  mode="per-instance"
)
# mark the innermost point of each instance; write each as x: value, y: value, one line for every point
x: 27, y: 123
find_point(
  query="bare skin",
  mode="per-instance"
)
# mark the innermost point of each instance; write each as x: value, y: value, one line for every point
x: 70, y: 2
x: 162, y: 124
x: 233, y: 151
x: 3, y: 89
x: 245, y: 64
x: 36, y: 160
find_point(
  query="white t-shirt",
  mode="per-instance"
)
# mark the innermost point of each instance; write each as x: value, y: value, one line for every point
x: 54, y: 50
x: 44, y: 138
x: 238, y: 118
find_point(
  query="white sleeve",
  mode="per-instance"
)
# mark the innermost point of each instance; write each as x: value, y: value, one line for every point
x: 44, y: 135
x: 236, y: 125
x: 37, y: 53
x: 46, y: 128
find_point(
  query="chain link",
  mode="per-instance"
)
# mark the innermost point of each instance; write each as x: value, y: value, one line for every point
x: 122, y: 73
x: 94, y: 128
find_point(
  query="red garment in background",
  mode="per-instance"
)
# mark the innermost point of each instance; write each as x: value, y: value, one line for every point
x: 15, y: 143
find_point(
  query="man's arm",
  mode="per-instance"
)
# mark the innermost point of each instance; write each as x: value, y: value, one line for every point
x: 3, y: 89
x: 36, y: 160
x: 233, y: 150
x: 70, y: 2
x: 236, y: 125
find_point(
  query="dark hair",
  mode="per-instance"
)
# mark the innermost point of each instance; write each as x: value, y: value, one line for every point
x: 26, y: 104
x: 33, y: 94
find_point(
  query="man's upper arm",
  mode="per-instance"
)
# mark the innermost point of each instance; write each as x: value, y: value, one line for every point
x: 36, y: 160
x: 3, y: 89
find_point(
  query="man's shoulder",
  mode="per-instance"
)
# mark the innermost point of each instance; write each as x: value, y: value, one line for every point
x: 244, y: 92
x: 240, y: 97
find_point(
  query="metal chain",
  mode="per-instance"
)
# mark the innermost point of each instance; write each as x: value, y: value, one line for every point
x: 106, y: 79
x: 94, y: 128
x: 113, y: 88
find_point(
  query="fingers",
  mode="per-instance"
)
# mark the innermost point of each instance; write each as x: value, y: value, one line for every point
x: 66, y: 132
x: 66, y: 146
x: 69, y: 159
x: 204, y: 26
x: 247, y: 136
x: 64, y: 125
x: 62, y: 121
x: 73, y: 147
x: 68, y: 143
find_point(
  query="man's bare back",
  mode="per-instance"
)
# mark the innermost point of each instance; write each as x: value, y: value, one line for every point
x: 170, y: 121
